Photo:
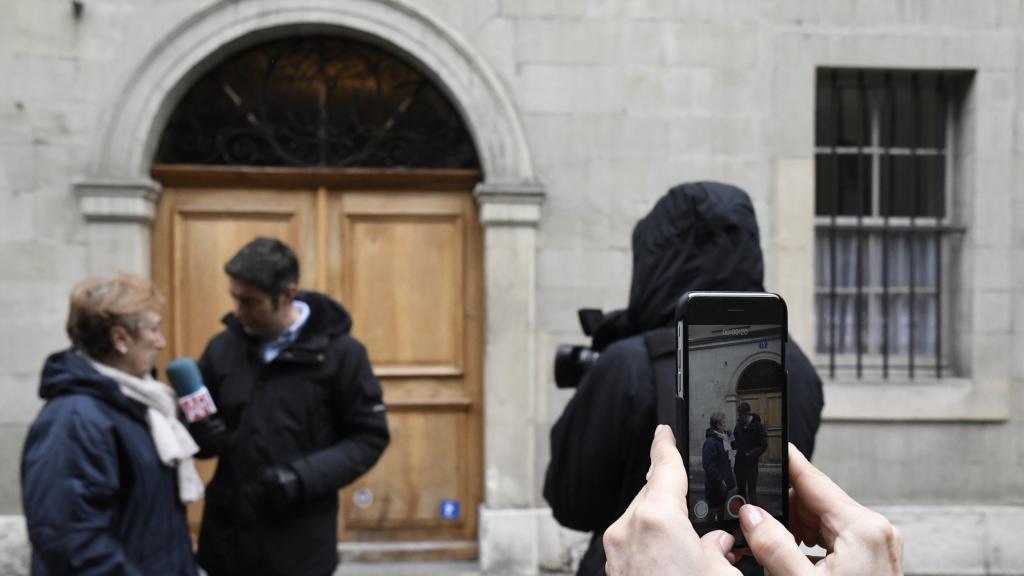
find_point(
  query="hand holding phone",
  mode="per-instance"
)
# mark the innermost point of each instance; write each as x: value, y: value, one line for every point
x: 732, y: 394
x: 654, y: 535
x: 859, y: 540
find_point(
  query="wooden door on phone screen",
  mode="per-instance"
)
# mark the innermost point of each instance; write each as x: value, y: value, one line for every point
x: 760, y: 384
x: 402, y: 254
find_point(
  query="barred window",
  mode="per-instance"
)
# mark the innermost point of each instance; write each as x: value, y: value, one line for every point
x: 884, y: 220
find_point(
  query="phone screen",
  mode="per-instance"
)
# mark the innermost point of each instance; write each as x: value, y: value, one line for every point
x: 735, y: 410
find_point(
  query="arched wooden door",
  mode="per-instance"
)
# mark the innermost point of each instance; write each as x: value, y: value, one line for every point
x: 357, y: 160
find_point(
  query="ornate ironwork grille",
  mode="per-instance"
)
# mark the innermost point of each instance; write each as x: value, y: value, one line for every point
x: 884, y: 231
x: 316, y: 101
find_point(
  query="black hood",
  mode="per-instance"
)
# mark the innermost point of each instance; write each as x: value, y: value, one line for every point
x: 326, y: 317
x: 66, y: 372
x: 699, y: 236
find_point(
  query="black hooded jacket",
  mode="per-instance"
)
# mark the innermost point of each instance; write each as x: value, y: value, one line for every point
x: 751, y: 440
x: 97, y: 498
x: 317, y: 409
x: 699, y: 236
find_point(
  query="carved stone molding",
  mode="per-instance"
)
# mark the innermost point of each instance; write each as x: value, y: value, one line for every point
x: 118, y: 200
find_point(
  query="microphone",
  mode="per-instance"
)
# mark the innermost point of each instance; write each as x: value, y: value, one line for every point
x: 196, y: 403
x: 193, y: 397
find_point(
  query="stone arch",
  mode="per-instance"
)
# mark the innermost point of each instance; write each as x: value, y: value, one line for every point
x: 760, y: 375
x: 133, y: 124
x: 734, y: 379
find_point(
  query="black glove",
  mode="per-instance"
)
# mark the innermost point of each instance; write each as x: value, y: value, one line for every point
x: 210, y: 434
x: 280, y: 487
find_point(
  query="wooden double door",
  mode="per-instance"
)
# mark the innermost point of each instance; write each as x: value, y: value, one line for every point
x: 402, y: 253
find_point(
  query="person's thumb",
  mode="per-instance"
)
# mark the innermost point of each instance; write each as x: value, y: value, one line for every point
x: 771, y: 544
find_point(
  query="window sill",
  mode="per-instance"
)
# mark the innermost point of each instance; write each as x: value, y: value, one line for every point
x: 919, y: 400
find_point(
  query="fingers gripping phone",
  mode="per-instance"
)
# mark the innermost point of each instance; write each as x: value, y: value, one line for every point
x: 731, y: 407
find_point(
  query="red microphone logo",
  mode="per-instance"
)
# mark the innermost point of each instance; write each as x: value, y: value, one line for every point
x: 197, y: 405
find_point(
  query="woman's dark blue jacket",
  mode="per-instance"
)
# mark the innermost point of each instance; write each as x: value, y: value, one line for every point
x: 97, y: 499
x: 715, y: 461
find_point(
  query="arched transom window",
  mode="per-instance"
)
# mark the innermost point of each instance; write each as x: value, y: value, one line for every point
x: 316, y: 101
x: 761, y: 375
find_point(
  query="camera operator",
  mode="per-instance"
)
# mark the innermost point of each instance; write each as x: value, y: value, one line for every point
x: 699, y: 236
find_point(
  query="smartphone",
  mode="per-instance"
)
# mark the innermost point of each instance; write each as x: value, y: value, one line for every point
x: 731, y: 409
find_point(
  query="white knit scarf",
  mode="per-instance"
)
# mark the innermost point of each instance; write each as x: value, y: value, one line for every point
x: 724, y: 437
x: 174, y: 445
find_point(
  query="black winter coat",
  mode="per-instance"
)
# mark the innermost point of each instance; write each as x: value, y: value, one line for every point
x: 699, y: 236
x: 97, y: 499
x: 750, y: 440
x: 317, y: 409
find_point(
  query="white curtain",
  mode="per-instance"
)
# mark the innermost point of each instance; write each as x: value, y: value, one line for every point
x: 904, y: 255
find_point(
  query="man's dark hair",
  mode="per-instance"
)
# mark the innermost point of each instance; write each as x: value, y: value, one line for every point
x: 743, y: 408
x: 266, y: 263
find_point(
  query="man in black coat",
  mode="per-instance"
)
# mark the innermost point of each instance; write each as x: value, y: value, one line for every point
x: 750, y: 441
x: 304, y: 418
x: 699, y: 236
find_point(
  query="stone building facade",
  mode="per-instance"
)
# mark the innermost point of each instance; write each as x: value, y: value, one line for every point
x: 583, y: 112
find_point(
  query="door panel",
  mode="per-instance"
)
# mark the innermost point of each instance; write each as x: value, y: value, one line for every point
x: 205, y: 230
x: 404, y: 279
x: 408, y: 261
x: 196, y: 232
x: 407, y: 487
x: 210, y: 236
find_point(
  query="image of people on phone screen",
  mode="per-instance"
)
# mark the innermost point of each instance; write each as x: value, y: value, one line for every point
x: 736, y: 372
x: 749, y: 441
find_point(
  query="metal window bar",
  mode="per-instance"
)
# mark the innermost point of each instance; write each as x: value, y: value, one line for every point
x: 836, y: 128
x: 890, y: 99
x: 865, y: 134
x: 940, y: 125
x: 915, y: 186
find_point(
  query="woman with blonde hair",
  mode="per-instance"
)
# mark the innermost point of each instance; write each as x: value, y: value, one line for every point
x: 107, y: 468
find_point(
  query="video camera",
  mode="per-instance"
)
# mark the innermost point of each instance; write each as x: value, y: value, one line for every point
x: 573, y: 360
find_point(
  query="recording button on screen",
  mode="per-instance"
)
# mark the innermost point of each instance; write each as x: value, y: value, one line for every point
x: 734, y: 504
x: 700, y: 509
